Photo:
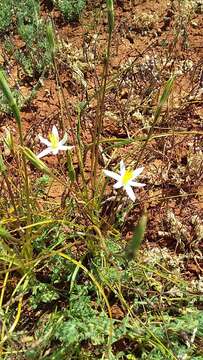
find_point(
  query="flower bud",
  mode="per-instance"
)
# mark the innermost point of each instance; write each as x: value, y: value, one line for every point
x: 39, y: 164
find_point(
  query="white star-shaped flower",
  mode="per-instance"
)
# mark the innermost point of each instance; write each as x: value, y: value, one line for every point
x: 54, y: 145
x: 126, y: 179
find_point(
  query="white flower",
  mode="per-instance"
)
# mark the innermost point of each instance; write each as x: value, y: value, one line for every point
x: 126, y: 179
x: 54, y: 145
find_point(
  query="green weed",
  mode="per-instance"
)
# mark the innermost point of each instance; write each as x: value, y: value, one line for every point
x: 6, y: 13
x: 31, y: 29
x: 71, y: 9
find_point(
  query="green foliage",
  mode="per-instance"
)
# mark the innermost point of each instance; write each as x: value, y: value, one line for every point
x: 41, y: 184
x: 42, y: 293
x: 27, y: 11
x: 71, y: 9
x: 34, y: 56
x: 5, y: 15
x: 48, y: 238
x: 179, y: 332
x: 83, y: 320
x: 70, y: 327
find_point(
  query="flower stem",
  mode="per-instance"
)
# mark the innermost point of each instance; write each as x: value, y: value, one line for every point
x: 101, y: 98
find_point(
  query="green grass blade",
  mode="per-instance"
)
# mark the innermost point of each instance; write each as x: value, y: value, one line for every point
x: 110, y: 10
x: 71, y: 170
x: 164, y: 96
x: 3, y: 168
x: 51, y: 37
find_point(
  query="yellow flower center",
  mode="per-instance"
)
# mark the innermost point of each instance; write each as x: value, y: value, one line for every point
x: 127, y: 176
x: 54, y: 141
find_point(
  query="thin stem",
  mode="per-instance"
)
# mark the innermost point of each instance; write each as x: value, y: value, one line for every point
x: 60, y: 87
x: 100, y: 115
x: 11, y: 196
x: 164, y: 97
x: 27, y: 248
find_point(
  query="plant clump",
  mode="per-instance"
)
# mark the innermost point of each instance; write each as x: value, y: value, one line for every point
x: 71, y: 9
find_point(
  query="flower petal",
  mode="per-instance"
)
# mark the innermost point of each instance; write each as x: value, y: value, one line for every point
x: 55, y: 132
x: 130, y: 192
x: 122, y: 167
x: 44, y: 152
x: 112, y: 174
x: 64, y: 140
x: 135, y: 183
x: 55, y: 151
x: 65, y: 147
x: 137, y: 172
x: 44, y: 141
x: 118, y: 185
